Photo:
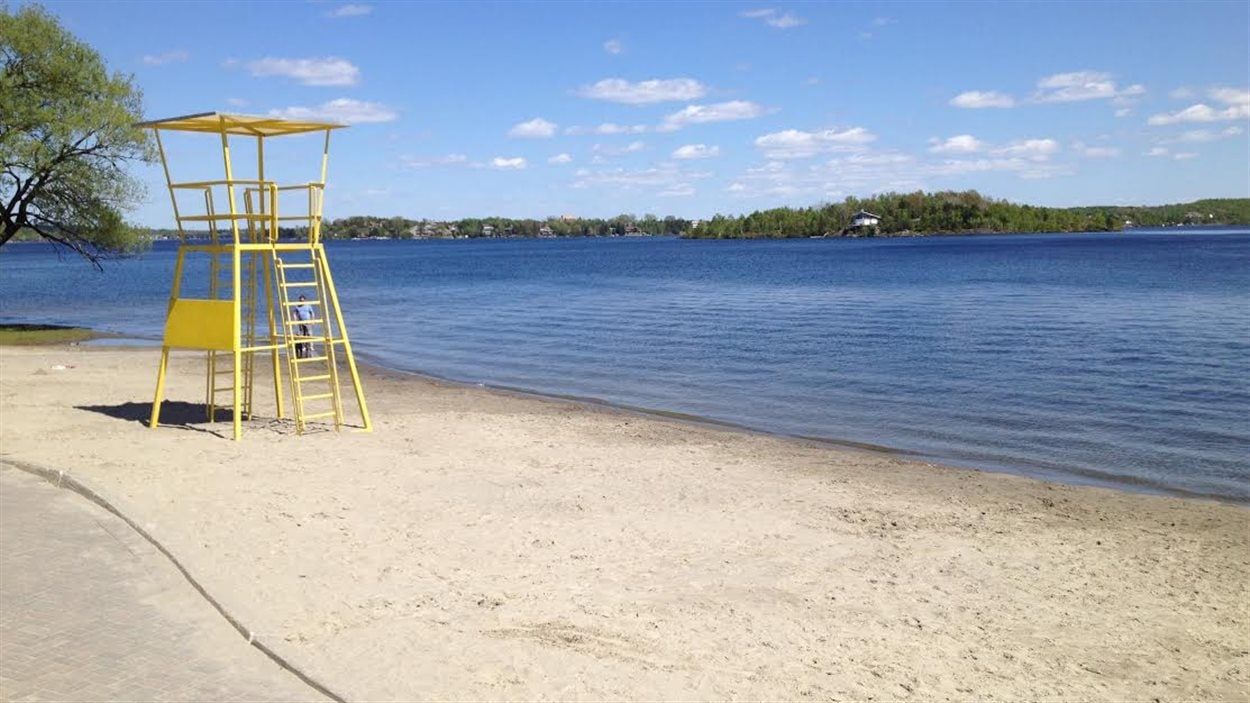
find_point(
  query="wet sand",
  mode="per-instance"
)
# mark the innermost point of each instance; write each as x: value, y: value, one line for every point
x: 486, y: 545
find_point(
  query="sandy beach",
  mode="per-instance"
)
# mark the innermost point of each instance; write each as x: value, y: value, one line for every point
x: 487, y: 545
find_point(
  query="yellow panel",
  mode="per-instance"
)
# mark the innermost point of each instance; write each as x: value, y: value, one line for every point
x: 201, y: 324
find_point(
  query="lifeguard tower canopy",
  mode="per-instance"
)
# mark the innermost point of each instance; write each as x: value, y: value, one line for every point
x: 270, y: 292
x: 242, y: 125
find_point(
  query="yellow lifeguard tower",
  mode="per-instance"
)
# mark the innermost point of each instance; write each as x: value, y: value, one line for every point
x: 265, y: 294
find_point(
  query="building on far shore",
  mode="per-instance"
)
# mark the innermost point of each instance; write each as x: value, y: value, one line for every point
x: 863, y: 218
x: 863, y: 224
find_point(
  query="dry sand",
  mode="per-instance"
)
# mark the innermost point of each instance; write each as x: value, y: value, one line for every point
x: 485, y: 545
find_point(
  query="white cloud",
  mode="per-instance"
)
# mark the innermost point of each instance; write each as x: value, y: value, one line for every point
x: 236, y: 102
x: 718, y: 112
x: 883, y: 21
x: 619, y: 90
x: 1157, y: 151
x: 796, y: 144
x: 785, y: 21
x: 854, y: 173
x: 1128, y: 97
x: 175, y: 56
x: 1123, y: 112
x: 1022, y: 167
x: 664, y: 178
x: 608, y: 128
x: 1206, y: 135
x: 448, y: 160
x: 344, y: 110
x: 1201, y: 113
x: 975, y: 99
x: 696, y: 151
x: 515, y: 163
x: 855, y: 168
x: 1031, y: 149
x: 1058, y: 88
x: 318, y: 71
x: 560, y: 159
x: 773, y: 18
x: 883, y: 159
x: 1231, y: 96
x: 353, y: 10
x: 537, y: 128
x: 1096, y: 152
x: 1185, y: 155
x: 613, y: 46
x: 1081, y: 85
x: 603, y: 150
x: 962, y: 144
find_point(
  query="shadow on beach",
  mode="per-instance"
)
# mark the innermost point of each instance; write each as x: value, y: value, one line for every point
x: 174, y: 413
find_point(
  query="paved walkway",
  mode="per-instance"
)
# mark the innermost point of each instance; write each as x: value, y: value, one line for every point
x: 90, y: 611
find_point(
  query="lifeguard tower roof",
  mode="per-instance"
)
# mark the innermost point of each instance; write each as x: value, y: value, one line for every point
x: 244, y: 125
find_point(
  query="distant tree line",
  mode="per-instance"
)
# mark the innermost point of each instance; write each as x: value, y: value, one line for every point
x: 1213, y: 211
x: 473, y: 227
x: 920, y: 213
x: 900, y: 215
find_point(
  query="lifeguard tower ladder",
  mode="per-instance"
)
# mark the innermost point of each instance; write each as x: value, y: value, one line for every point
x: 255, y: 280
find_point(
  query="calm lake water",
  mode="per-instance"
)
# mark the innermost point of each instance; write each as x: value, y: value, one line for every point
x: 1113, y: 359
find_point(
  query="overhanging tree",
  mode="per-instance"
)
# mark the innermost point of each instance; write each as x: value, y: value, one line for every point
x: 66, y: 136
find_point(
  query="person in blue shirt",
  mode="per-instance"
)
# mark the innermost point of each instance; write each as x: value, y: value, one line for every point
x: 303, y: 312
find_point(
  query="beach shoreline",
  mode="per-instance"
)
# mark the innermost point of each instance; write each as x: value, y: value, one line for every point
x: 1066, y: 475
x: 485, y: 543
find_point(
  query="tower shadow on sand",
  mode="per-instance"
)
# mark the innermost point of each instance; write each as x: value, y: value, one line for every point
x: 179, y: 414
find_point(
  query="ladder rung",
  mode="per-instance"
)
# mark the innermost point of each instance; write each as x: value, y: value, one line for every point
x: 294, y: 303
x: 311, y: 358
x: 242, y: 388
x: 310, y: 379
x: 294, y: 266
x: 297, y: 284
x: 319, y: 396
x: 319, y: 415
x: 306, y: 323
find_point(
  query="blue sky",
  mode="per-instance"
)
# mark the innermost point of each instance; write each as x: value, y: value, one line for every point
x: 595, y: 109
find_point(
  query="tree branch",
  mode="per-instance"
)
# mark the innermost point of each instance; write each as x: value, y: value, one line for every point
x: 71, y: 244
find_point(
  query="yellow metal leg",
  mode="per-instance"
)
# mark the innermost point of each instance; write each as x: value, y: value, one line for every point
x: 238, y: 395
x: 236, y: 295
x: 347, y: 342
x: 160, y: 373
x: 160, y: 389
x: 270, y: 300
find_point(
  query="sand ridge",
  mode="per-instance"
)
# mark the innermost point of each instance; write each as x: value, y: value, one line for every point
x: 481, y: 544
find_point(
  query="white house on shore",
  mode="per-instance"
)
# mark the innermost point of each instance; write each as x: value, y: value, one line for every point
x: 863, y: 218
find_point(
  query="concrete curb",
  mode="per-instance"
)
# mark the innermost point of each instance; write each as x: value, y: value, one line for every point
x: 63, y: 480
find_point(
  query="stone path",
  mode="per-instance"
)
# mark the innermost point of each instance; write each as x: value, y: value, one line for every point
x: 90, y: 611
